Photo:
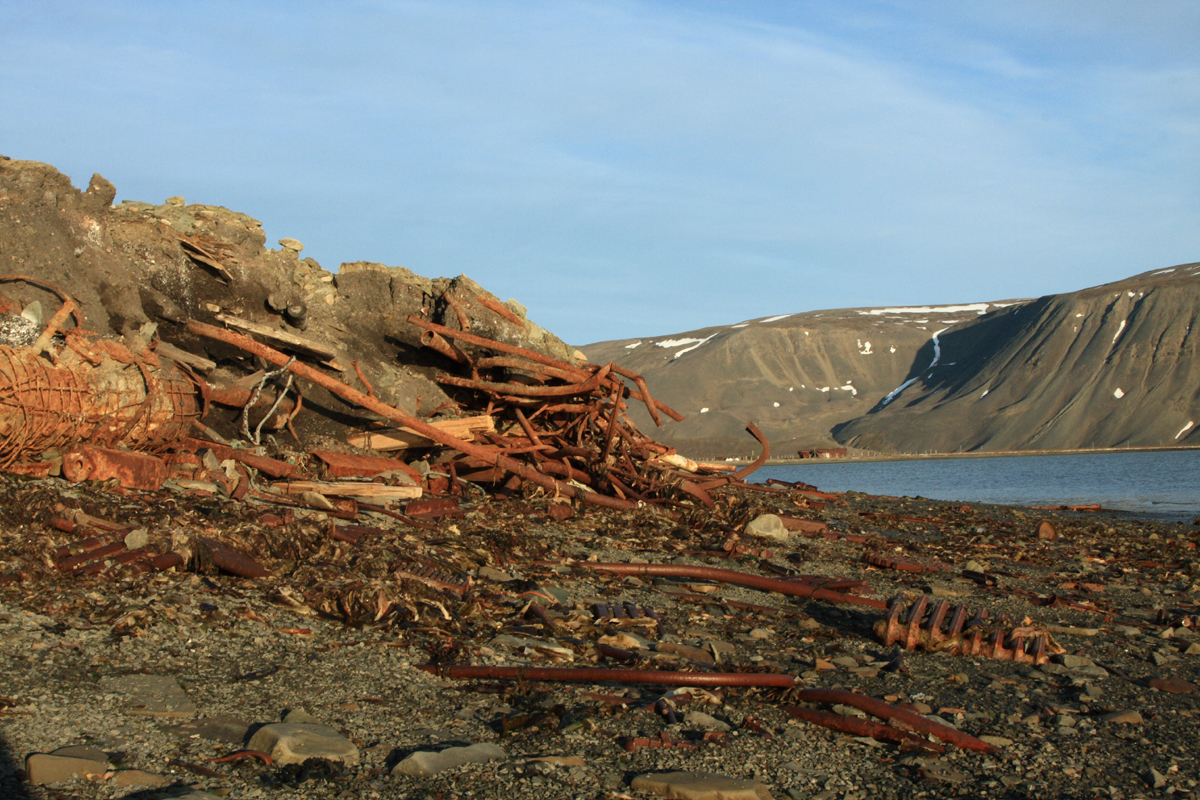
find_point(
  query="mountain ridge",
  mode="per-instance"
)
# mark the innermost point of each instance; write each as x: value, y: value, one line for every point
x: 1005, y: 375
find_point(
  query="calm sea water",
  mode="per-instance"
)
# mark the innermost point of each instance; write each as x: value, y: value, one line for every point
x: 1160, y: 484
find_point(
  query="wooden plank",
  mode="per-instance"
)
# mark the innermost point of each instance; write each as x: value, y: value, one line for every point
x: 349, y: 489
x: 401, y: 438
x: 168, y: 350
x: 284, y: 339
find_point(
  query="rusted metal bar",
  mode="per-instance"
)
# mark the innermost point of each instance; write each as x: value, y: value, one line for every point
x: 600, y: 675
x: 230, y: 560
x: 758, y: 462
x: 735, y: 577
x: 586, y: 387
x: 492, y: 305
x: 909, y: 719
x: 862, y: 727
x: 436, y: 342
x: 529, y: 354
x: 419, y: 426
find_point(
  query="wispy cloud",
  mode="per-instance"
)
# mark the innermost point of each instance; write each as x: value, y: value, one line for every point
x: 638, y: 168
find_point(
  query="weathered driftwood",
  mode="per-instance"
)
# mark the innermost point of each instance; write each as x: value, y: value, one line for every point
x: 402, y: 438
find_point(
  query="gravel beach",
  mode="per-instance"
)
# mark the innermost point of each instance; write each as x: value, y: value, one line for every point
x: 187, y: 680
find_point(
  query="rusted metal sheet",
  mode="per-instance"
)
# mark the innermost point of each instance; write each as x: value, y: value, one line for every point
x: 133, y: 470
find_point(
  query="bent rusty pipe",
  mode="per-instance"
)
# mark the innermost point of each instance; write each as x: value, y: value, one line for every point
x: 884, y: 710
x: 356, y: 397
x: 581, y: 374
x: 602, y: 675
x: 861, y: 727
x: 758, y: 462
x: 733, y: 576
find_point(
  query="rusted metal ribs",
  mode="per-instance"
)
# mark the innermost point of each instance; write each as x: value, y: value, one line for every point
x: 946, y: 628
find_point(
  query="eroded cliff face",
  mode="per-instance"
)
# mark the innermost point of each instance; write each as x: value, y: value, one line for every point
x: 1111, y: 366
x: 796, y: 375
x: 141, y: 271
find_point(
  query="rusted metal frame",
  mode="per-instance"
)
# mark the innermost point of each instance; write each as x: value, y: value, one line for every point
x: 862, y: 727
x: 526, y: 366
x: 519, y: 390
x: 909, y: 719
x: 734, y: 577
x: 601, y: 675
x: 625, y: 490
x: 529, y: 354
x: 420, y: 426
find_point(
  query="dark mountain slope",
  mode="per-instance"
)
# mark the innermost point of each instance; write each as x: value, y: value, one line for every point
x: 1111, y: 366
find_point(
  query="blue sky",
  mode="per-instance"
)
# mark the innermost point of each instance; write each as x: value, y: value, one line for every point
x: 641, y: 168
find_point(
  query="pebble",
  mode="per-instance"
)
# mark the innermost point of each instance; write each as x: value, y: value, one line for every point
x: 429, y: 762
x: 699, y: 786
x: 1125, y: 717
x: 292, y: 743
x: 705, y: 721
x: 495, y: 575
x: 998, y: 741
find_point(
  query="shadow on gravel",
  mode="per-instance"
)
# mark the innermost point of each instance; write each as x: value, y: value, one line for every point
x: 12, y: 779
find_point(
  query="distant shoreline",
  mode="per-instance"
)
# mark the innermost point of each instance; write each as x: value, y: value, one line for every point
x: 860, y: 459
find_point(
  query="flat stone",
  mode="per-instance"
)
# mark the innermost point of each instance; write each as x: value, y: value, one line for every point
x: 151, y: 695
x: 702, y: 720
x: 43, y: 768
x: 1074, y: 662
x: 82, y: 751
x: 292, y: 743
x: 761, y: 633
x: 492, y: 574
x: 768, y: 526
x: 1045, y: 530
x: 1125, y: 717
x: 1193, y: 649
x: 218, y: 728
x: 1172, y: 685
x: 135, y: 777
x: 289, y: 243
x: 686, y: 651
x: 846, y: 661
x: 700, y: 786
x: 428, y: 762
x: 998, y: 741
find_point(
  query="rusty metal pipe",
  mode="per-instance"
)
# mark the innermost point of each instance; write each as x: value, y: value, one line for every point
x: 733, y: 576
x: 531, y: 355
x: 884, y: 710
x: 419, y: 426
x: 600, y: 675
x: 861, y: 727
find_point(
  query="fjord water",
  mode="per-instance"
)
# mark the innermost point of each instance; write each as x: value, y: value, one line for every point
x: 1163, y: 485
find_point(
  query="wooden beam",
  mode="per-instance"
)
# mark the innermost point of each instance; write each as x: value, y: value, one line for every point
x: 402, y: 438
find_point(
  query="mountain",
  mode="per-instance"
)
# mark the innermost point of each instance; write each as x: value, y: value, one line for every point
x: 1113, y: 365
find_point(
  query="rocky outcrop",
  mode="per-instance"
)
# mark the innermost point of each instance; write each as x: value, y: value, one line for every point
x: 141, y: 271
